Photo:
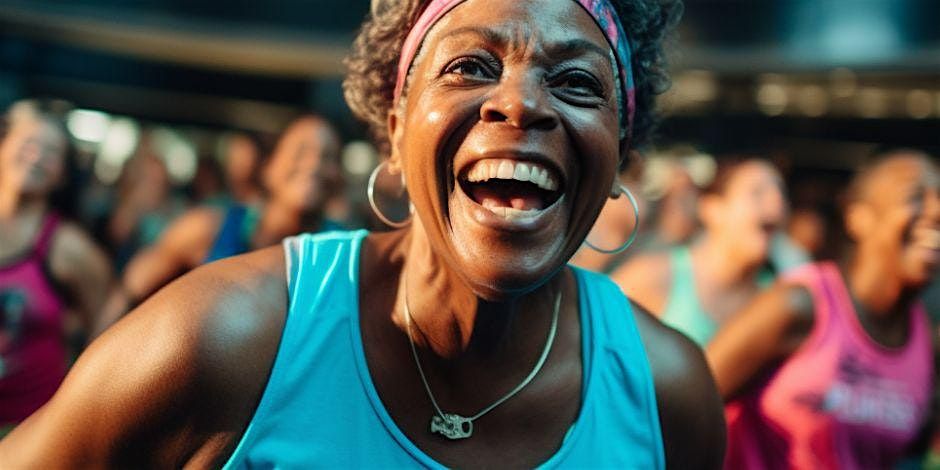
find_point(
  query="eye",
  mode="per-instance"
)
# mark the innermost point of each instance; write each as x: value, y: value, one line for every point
x: 579, y: 83
x: 471, y: 67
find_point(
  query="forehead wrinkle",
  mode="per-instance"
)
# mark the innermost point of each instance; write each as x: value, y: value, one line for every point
x: 523, y: 44
x: 489, y: 35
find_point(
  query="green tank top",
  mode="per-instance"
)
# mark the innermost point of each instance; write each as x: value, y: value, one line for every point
x: 684, y: 310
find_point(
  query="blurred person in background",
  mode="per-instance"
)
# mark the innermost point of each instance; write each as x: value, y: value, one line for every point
x: 668, y: 183
x: 299, y: 178
x: 672, y: 181
x: 833, y: 366
x: 808, y: 229
x: 695, y: 288
x: 612, y: 228
x: 241, y: 161
x: 145, y: 204
x: 49, y: 266
x: 208, y: 184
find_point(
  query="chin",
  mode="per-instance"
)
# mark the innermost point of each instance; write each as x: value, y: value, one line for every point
x: 499, y: 278
x: 919, y: 278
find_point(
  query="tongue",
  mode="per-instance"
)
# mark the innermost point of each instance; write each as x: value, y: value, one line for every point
x: 490, y: 198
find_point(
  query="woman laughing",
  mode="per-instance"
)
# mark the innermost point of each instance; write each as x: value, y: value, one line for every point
x: 462, y: 339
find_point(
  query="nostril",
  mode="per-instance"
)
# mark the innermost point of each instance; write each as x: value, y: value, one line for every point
x: 490, y: 114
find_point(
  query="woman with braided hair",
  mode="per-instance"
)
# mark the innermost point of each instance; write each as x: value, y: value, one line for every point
x: 463, y: 339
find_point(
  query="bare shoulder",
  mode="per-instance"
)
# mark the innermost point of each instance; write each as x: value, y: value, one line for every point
x: 646, y: 278
x: 193, y: 358
x: 690, y: 410
x: 72, y: 242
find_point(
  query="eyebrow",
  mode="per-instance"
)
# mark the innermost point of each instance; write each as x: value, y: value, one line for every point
x: 557, y: 50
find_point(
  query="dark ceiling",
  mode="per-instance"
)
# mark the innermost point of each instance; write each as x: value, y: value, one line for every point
x: 251, y: 64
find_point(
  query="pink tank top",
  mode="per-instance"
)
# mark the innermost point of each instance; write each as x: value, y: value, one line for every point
x: 33, y: 358
x: 841, y: 400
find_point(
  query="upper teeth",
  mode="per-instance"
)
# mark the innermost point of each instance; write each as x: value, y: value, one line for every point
x: 505, y: 169
x: 929, y: 238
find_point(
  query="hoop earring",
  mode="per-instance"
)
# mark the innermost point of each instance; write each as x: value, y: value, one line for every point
x: 633, y: 234
x: 370, y: 191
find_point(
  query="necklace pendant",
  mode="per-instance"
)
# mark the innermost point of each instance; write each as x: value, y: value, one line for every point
x: 452, y: 426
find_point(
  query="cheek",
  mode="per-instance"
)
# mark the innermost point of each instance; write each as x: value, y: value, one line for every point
x: 56, y: 166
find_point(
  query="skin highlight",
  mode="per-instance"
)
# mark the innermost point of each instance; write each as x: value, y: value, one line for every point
x: 739, y: 220
x: 480, y: 294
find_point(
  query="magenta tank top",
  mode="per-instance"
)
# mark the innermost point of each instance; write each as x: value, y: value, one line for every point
x: 32, y: 348
x: 841, y: 400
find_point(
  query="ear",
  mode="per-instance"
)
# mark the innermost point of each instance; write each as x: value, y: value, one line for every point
x: 395, y: 132
x: 859, y: 219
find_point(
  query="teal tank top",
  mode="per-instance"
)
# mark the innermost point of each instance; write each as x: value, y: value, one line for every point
x: 321, y: 409
x: 684, y: 310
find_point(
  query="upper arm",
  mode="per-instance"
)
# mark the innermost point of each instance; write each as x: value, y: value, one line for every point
x: 187, y: 365
x: 691, y: 414
x: 646, y: 280
x: 770, y: 328
x: 84, y: 269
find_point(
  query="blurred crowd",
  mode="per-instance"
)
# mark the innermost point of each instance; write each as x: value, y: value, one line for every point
x: 714, y: 233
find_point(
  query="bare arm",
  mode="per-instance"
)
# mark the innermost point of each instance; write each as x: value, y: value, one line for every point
x: 174, y: 382
x: 84, y: 269
x: 646, y: 280
x: 182, y: 247
x: 769, y: 329
x: 690, y: 412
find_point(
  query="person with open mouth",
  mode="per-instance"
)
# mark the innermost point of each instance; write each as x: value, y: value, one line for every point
x: 462, y: 339
x: 832, y: 367
x: 697, y: 287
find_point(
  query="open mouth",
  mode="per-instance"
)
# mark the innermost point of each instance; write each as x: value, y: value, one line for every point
x: 511, y: 189
x: 927, y: 238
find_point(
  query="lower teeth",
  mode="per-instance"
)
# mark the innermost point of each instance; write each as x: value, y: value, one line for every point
x: 514, y: 214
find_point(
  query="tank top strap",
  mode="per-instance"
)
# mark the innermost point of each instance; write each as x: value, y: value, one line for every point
x: 680, y: 259
x: 821, y: 282
x: 44, y: 240
x: 837, y: 296
x: 683, y: 310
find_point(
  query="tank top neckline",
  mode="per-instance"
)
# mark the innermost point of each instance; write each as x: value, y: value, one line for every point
x: 849, y: 315
x: 399, y: 436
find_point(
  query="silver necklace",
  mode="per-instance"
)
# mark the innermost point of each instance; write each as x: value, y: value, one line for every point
x: 452, y: 425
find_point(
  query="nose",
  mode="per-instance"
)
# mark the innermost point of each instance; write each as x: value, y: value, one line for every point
x: 520, y: 101
x: 31, y: 152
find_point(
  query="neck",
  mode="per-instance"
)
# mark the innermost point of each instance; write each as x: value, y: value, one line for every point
x: 718, y: 263
x: 9, y: 201
x: 451, y: 321
x: 280, y: 220
x: 14, y: 204
x: 245, y: 194
x: 874, y: 281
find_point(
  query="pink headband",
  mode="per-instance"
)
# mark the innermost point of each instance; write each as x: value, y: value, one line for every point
x: 604, y: 15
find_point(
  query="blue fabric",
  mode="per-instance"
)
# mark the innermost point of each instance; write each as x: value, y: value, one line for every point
x: 231, y: 239
x: 238, y: 226
x: 321, y: 409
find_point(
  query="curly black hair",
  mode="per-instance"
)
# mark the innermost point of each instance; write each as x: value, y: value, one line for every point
x: 373, y: 61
